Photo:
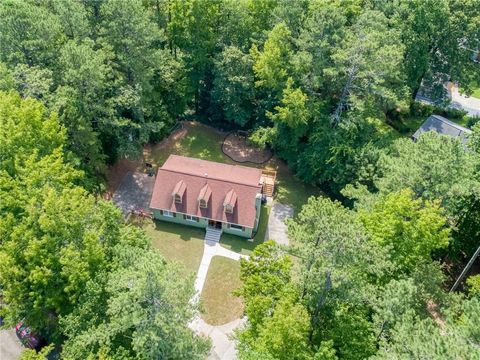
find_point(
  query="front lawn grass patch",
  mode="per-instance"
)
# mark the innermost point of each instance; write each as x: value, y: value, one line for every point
x: 219, y: 305
x: 242, y: 245
x: 177, y: 242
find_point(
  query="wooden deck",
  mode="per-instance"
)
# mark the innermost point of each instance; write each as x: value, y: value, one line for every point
x: 268, y: 182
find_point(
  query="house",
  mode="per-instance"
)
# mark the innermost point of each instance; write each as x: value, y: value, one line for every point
x: 205, y: 194
x: 442, y: 126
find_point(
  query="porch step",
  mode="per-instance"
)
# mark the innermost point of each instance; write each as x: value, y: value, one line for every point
x: 213, y: 235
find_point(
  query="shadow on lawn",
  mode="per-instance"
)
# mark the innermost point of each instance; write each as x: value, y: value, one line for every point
x: 184, y: 232
x: 242, y: 245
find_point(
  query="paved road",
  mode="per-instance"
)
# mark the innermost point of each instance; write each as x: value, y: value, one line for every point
x: 277, y: 229
x: 469, y: 104
x: 10, y: 346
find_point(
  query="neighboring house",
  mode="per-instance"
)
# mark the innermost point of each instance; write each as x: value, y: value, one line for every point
x: 205, y: 194
x: 442, y: 126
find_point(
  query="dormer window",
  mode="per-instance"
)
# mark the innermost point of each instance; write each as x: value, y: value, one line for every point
x: 230, y: 201
x: 204, y: 196
x: 178, y: 191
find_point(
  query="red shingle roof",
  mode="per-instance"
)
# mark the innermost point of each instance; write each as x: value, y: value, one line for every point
x: 222, y: 179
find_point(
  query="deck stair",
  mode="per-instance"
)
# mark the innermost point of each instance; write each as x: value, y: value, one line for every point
x: 268, y: 182
x: 213, y: 234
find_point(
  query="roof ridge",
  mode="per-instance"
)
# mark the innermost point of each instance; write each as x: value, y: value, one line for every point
x: 214, y: 162
x: 209, y: 177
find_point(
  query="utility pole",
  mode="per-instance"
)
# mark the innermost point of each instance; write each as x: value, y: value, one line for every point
x: 465, y: 270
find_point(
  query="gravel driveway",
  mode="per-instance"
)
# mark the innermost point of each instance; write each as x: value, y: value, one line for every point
x: 277, y: 229
x: 134, y: 192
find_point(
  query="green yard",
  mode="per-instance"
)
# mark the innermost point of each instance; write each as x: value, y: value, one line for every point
x: 242, y: 245
x: 177, y: 242
x: 219, y: 305
x: 475, y: 90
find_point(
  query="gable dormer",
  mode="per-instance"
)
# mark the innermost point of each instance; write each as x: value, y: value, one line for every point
x: 230, y: 201
x: 178, y: 191
x: 204, y: 196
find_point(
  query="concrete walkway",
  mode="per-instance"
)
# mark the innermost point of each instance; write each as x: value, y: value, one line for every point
x: 211, y: 249
x: 223, y: 345
x: 277, y: 229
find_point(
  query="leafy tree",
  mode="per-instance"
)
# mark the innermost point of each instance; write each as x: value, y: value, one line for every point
x: 233, y: 86
x: 438, y: 37
x: 272, y: 64
x: 455, y: 338
x: 83, y: 103
x: 29, y: 34
x: 265, y: 280
x: 434, y: 167
x: 338, y: 268
x: 473, y: 283
x: 284, y: 335
x: 366, y: 64
x: 411, y: 229
x: 141, y: 281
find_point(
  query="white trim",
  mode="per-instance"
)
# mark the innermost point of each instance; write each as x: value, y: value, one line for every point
x: 234, y: 227
x: 167, y: 213
x: 201, y: 217
x: 191, y: 218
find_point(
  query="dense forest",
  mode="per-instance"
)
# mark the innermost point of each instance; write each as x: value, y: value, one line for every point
x: 328, y: 85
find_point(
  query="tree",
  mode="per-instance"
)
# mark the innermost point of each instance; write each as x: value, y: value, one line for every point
x: 233, y: 86
x: 411, y: 229
x: 366, y: 66
x: 457, y: 338
x: 29, y: 34
x: 439, y: 37
x: 141, y: 281
x: 271, y: 65
x: 284, y: 335
x: 338, y: 268
x: 265, y: 280
x: 83, y: 101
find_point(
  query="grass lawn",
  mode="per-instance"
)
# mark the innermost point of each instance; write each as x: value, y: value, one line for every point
x: 475, y: 90
x: 219, y: 305
x: 199, y: 141
x: 177, y: 242
x: 242, y: 245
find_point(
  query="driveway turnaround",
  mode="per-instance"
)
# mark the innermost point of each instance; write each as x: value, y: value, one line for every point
x: 134, y: 192
x: 277, y: 229
x: 10, y: 346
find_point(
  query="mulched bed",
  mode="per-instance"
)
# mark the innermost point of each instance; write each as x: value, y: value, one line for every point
x: 238, y: 149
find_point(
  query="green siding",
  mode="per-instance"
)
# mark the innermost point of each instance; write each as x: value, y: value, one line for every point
x: 247, y: 232
x: 203, y: 223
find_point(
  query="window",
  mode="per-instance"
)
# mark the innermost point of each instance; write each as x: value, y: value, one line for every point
x: 202, y: 203
x: 191, y: 218
x: 178, y: 198
x: 167, y: 213
x: 236, y: 227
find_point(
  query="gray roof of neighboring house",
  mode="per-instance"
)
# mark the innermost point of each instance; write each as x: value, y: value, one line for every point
x: 444, y: 127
